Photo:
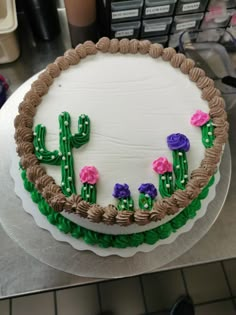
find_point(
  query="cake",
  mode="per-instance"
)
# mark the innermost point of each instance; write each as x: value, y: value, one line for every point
x: 119, y: 150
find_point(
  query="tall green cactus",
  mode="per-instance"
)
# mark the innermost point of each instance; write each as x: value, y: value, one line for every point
x: 64, y: 156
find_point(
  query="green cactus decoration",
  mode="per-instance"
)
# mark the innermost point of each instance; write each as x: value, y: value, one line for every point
x: 164, y: 168
x: 202, y: 120
x: 166, y: 186
x: 179, y: 144
x: 180, y: 166
x: 122, y: 193
x: 208, y: 134
x: 63, y: 156
x: 148, y: 193
x: 89, y: 177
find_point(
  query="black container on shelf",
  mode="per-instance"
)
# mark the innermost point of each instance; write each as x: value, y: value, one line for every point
x: 126, y: 10
x: 43, y: 18
x: 158, y: 8
x: 127, y: 29
x: 156, y: 27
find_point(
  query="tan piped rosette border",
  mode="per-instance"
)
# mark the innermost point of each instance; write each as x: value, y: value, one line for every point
x: 110, y: 215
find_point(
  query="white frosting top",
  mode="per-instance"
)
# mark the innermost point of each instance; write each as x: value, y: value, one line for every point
x: 134, y: 102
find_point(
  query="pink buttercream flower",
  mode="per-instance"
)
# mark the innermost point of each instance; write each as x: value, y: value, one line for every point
x: 162, y: 165
x: 199, y: 118
x: 89, y: 174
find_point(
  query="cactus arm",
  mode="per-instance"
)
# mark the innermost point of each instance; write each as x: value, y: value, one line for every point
x: 44, y: 155
x: 82, y: 137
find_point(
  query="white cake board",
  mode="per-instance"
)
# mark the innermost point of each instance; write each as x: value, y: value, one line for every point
x: 30, y: 207
x: 40, y: 244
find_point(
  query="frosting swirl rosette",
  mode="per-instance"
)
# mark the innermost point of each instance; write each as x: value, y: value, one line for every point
x: 161, y: 165
x: 89, y: 174
x: 178, y: 141
x: 199, y: 118
x: 148, y: 189
x: 121, y: 191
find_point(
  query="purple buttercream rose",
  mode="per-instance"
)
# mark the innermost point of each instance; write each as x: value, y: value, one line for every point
x: 121, y: 191
x: 148, y: 189
x: 178, y: 141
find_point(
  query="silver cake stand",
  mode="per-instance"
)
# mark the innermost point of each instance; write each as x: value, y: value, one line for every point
x: 39, y: 243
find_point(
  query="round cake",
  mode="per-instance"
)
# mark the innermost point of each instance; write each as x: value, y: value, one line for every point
x: 120, y: 141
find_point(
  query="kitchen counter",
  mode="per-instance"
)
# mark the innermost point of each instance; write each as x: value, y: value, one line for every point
x: 30, y: 275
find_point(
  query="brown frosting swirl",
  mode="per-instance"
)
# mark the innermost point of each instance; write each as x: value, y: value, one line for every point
x: 168, y: 53
x: 213, y: 154
x: 124, y: 46
x: 103, y: 44
x: 220, y: 122
x: 34, y: 172
x: 158, y: 211
x: 50, y: 190
x: 57, y: 202
x: 46, y: 78
x: 217, y: 111
x: 221, y: 134
x: 53, y: 70
x: 195, y: 73
x: 95, y: 213
x: 23, y: 120
x: 187, y: 65
x: 114, y: 46
x: 210, y: 167
x: 109, y: 215
x: 81, y: 51
x: 192, y: 189
x: 90, y: 47
x: 43, y: 181
x: 217, y: 101
x: 124, y: 217
x: 133, y: 46
x: 209, y: 92
x: 26, y: 108
x: 170, y: 205
x: 32, y: 98
x: 24, y: 148
x: 39, y: 87
x: 72, y: 57
x: 204, y: 82
x: 28, y: 160
x: 72, y: 203
x: 218, y: 142
x: 181, y: 198
x: 155, y: 50
x: 141, y: 217
x: 62, y: 63
x: 177, y: 60
x: 144, y: 46
x: 82, y: 208
x: 23, y: 134
x: 201, y: 177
